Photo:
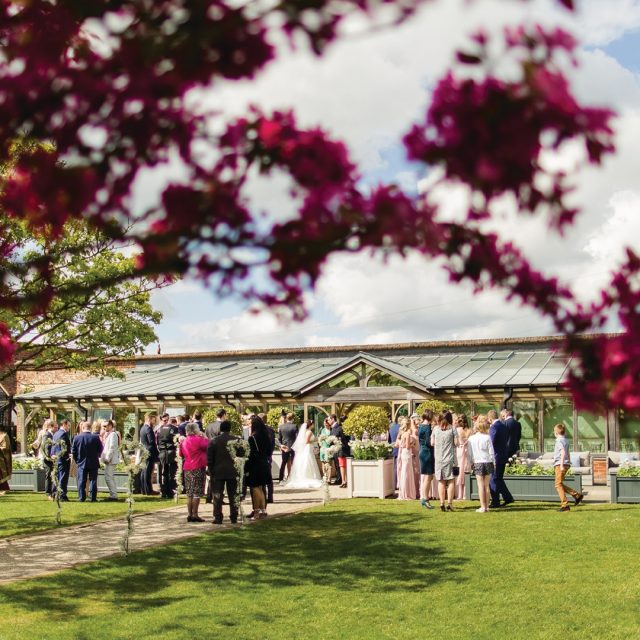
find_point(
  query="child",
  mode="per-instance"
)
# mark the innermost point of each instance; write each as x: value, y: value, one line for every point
x: 561, y: 463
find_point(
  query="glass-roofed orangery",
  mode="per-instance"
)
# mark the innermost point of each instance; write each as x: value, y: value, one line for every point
x: 525, y: 374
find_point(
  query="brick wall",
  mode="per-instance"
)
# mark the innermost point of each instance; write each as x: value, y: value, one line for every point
x: 27, y: 380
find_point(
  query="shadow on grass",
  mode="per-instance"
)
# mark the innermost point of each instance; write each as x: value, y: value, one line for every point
x: 369, y: 551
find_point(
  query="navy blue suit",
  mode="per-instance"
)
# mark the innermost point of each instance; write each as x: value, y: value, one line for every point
x: 394, y: 430
x: 499, y: 435
x: 515, y: 433
x: 148, y: 441
x: 86, y: 450
x: 61, y: 442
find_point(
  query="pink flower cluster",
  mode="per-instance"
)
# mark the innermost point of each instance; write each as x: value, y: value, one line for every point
x: 489, y: 133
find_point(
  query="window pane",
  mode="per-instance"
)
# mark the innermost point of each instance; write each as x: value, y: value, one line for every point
x: 591, y: 430
x: 526, y: 413
x: 344, y: 380
x: 557, y: 411
x: 629, y: 432
x: 481, y: 408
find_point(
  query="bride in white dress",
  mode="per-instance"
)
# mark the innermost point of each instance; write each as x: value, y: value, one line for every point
x: 305, y: 473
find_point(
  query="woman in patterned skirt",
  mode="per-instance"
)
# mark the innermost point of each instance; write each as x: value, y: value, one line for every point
x: 194, y: 451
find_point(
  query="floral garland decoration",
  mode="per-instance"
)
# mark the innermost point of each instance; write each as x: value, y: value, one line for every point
x: 133, y: 468
x: 330, y: 446
x: 239, y: 451
x: 180, y: 461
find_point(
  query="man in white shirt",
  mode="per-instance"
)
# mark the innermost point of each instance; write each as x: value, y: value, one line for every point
x: 110, y: 458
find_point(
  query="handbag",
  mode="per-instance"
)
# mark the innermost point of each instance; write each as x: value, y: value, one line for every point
x: 456, y: 471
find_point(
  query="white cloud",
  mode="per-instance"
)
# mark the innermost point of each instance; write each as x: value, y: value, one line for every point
x: 367, y: 90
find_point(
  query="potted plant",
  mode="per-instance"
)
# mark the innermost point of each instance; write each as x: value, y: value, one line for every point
x: 28, y: 475
x: 370, y: 470
x: 528, y: 481
x: 625, y: 484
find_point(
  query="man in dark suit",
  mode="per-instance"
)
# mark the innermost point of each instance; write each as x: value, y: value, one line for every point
x: 61, y: 447
x: 515, y: 431
x: 167, y: 457
x: 336, y: 430
x: 287, y: 434
x: 86, y: 450
x: 223, y: 472
x: 213, y: 428
x: 148, y: 441
x: 49, y: 428
x: 394, y: 430
x: 500, y: 439
x: 211, y: 431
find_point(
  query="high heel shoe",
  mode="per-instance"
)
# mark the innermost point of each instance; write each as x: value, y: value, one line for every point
x: 423, y: 502
x: 442, y: 508
x: 449, y: 507
x: 429, y: 506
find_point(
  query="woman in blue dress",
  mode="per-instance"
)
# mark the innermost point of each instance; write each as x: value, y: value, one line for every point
x: 425, y: 457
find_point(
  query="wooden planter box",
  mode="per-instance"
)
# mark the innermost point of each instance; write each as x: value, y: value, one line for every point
x: 541, y: 488
x: 370, y: 478
x: 27, y: 480
x: 121, y: 478
x: 624, y: 489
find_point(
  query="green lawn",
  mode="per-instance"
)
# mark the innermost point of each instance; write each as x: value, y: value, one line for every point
x: 359, y: 569
x: 25, y: 512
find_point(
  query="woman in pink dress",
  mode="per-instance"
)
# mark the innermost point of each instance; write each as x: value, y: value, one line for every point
x: 462, y: 456
x: 415, y: 425
x: 408, y: 450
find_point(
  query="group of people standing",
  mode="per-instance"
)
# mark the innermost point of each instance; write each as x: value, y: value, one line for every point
x: 206, y: 455
x: 94, y: 444
x: 440, y: 448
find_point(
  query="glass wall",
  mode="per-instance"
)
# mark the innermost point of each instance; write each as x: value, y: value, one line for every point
x: 481, y: 408
x: 557, y: 411
x: 526, y: 413
x: 629, y: 432
x: 591, y: 432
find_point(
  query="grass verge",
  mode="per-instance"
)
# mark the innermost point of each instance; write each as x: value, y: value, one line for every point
x: 359, y: 569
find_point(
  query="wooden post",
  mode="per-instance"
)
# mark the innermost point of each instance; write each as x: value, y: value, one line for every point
x: 21, y: 429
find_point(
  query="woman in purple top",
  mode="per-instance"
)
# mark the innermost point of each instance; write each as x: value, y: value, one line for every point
x: 194, y: 451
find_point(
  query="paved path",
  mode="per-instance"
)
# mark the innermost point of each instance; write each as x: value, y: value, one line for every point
x: 30, y: 556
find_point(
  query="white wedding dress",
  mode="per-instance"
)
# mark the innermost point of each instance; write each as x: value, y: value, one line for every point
x: 305, y: 473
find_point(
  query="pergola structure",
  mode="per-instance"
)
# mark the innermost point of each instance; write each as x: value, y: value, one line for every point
x: 481, y: 374
x: 526, y: 373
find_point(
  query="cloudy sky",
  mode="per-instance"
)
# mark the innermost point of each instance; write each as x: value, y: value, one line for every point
x: 367, y: 90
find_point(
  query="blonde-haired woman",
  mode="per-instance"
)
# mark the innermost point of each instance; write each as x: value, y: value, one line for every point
x: 408, y: 451
x: 464, y: 431
x: 483, y: 460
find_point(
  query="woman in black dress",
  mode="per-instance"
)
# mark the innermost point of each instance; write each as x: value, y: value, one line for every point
x: 425, y: 456
x: 258, y: 467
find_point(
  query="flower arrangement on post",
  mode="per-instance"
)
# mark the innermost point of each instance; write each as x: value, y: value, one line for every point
x: 133, y: 467
x: 330, y: 446
x: 370, y: 450
x: 239, y: 451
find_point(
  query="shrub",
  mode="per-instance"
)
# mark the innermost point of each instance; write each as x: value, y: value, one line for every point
x: 625, y: 471
x: 22, y: 464
x: 370, y: 450
x: 366, y: 418
x: 437, y: 406
x: 275, y: 413
x: 209, y: 416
